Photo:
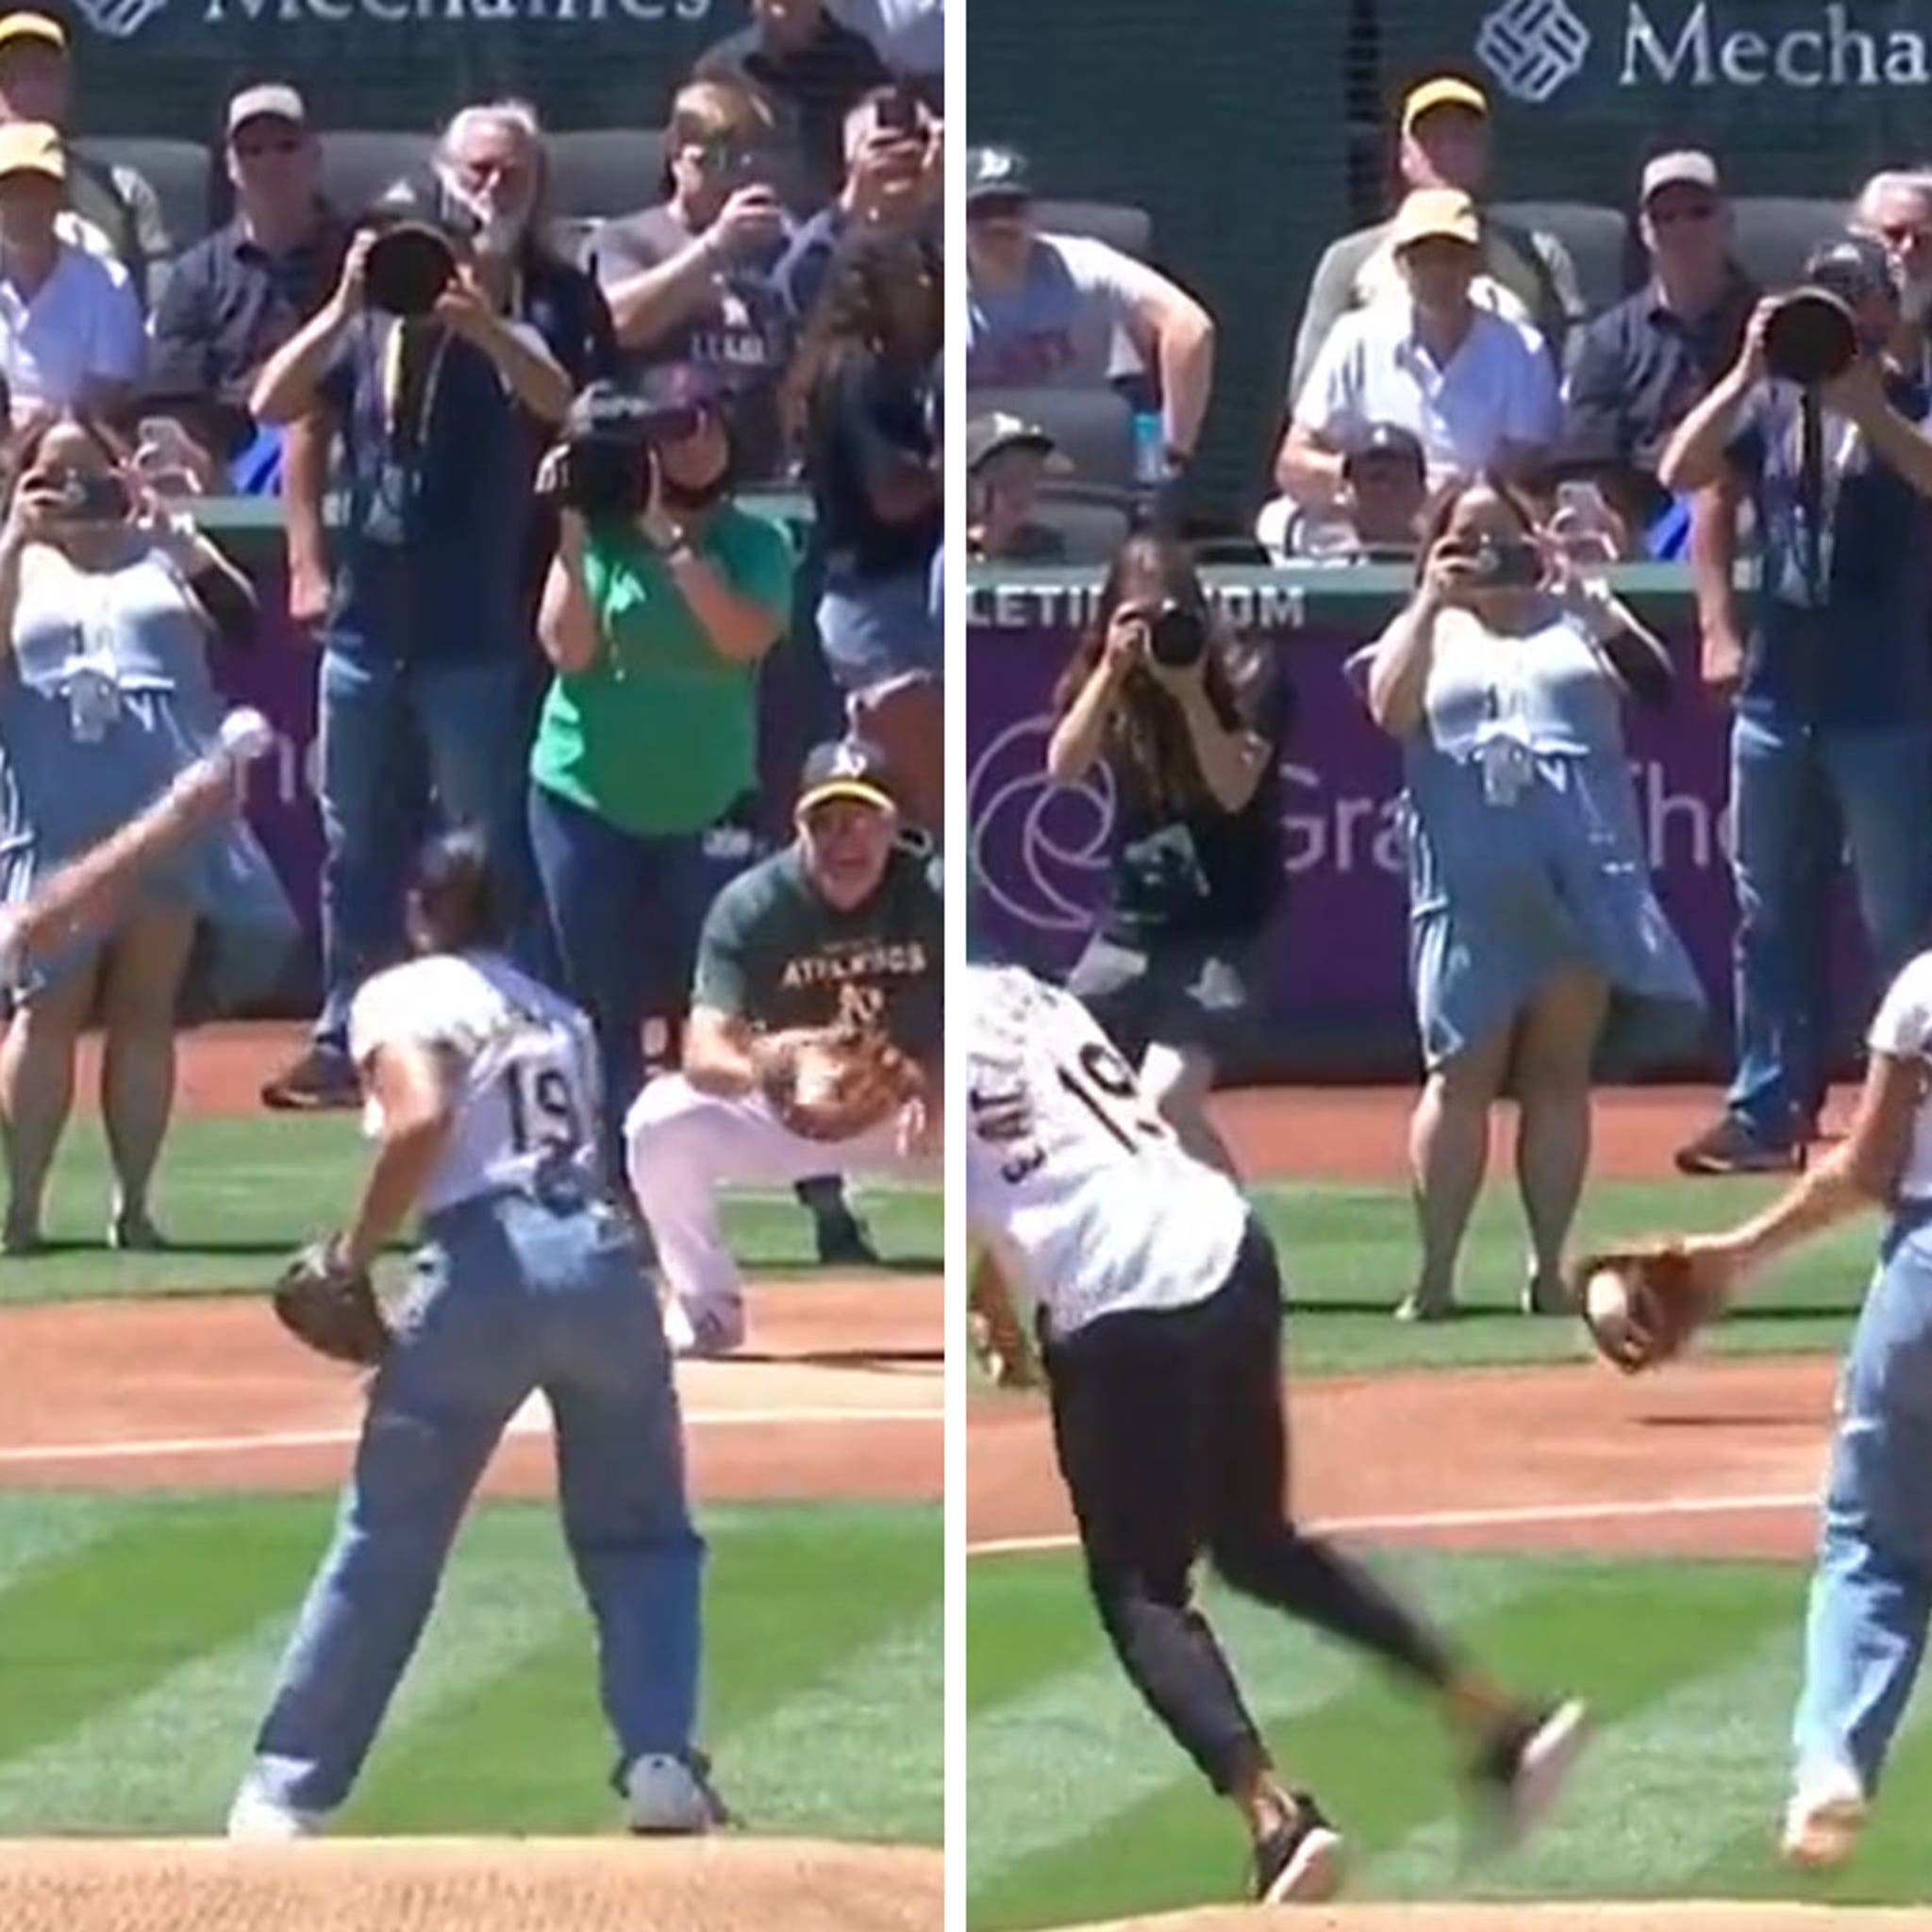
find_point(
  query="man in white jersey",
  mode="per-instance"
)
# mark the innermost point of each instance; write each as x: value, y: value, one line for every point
x: 483, y: 1096
x: 1158, y: 1308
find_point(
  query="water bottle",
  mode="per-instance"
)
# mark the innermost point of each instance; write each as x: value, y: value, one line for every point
x: 1150, y: 450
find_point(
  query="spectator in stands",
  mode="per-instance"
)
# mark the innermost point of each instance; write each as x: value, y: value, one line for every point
x: 1535, y: 937
x: 1525, y: 274
x: 1189, y: 722
x: 238, y: 295
x: 112, y: 209
x: 1642, y: 366
x: 1896, y: 208
x: 895, y: 177
x: 655, y: 626
x: 1471, y: 386
x: 813, y: 71
x: 691, y: 279
x: 856, y: 403
x: 1834, y: 713
x: 69, y: 329
x: 424, y: 651
x: 1007, y: 461
x: 1045, y: 309
x: 1375, y: 519
x: 107, y: 601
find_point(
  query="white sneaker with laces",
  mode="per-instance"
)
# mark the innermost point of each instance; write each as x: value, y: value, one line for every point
x: 1823, y: 1822
x: 666, y: 1796
x: 257, y: 1819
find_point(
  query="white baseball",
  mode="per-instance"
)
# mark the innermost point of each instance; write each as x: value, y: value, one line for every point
x: 817, y: 1082
x: 1606, y: 1298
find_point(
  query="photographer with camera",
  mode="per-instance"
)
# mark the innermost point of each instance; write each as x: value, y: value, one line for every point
x: 1536, y: 945
x: 1818, y: 427
x: 692, y: 279
x: 1189, y: 723
x: 661, y: 601
x: 109, y: 598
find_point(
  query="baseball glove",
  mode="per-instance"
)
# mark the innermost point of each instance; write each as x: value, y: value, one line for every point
x: 1667, y: 1293
x: 838, y: 1082
x: 330, y: 1306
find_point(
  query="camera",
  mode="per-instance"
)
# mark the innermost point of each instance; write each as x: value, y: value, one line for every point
x: 1514, y: 564
x: 1176, y: 637
x: 1810, y: 338
x: 608, y: 469
x: 91, y: 499
x: 899, y: 113
x: 423, y: 231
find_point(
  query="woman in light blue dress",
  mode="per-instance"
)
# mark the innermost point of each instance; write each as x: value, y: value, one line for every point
x: 106, y: 602
x: 1537, y: 950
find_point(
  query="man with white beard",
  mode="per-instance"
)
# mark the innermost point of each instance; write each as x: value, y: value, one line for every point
x: 1895, y: 207
x: 428, y: 638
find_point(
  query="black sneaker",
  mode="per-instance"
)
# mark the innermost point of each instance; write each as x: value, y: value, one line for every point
x: 844, y: 1241
x: 1524, y: 1763
x: 321, y: 1080
x: 1301, y: 1862
x: 1731, y: 1147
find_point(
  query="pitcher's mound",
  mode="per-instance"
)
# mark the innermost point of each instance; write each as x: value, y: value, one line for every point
x: 1661, y: 1916
x: 468, y: 1885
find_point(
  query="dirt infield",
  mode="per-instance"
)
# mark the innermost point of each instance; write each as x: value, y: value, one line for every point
x: 469, y: 1884
x: 1580, y: 1917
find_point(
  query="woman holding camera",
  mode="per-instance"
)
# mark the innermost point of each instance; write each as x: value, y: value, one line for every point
x: 658, y: 609
x: 107, y: 601
x: 1536, y: 942
x: 858, y: 401
x: 1188, y: 723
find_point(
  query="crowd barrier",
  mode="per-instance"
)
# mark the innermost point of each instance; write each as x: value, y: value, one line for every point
x: 1334, y: 968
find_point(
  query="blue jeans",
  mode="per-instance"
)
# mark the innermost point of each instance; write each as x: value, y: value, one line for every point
x: 624, y: 917
x: 1871, y: 1591
x: 394, y: 738
x: 510, y: 1296
x: 1791, y: 792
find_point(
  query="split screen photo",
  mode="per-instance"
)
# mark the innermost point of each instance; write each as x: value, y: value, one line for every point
x: 924, y: 991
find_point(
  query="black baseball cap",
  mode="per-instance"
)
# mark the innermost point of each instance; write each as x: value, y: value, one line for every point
x: 850, y: 768
x: 997, y: 174
x: 1387, y: 439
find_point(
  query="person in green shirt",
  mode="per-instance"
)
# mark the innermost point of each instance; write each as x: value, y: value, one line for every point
x: 657, y: 626
x: 846, y: 923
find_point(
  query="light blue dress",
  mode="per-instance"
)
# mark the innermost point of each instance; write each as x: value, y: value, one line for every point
x: 1526, y: 854
x: 105, y: 696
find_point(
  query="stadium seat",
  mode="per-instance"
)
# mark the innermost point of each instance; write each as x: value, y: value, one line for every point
x: 1118, y: 224
x: 181, y: 173
x: 1598, y: 240
x: 1093, y: 427
x: 1774, y: 234
x: 605, y: 170
x: 1092, y: 524
x: 358, y: 164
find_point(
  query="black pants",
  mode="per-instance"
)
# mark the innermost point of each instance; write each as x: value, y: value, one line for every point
x: 1170, y: 1434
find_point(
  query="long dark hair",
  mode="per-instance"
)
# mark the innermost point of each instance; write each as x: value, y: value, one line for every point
x: 455, y: 903
x: 24, y: 448
x: 860, y: 309
x: 1439, y: 511
x: 1146, y: 732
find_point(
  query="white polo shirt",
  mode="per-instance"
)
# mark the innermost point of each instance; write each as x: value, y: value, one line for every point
x: 82, y: 322
x: 1499, y: 387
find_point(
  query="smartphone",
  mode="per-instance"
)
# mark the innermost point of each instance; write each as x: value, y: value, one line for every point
x: 165, y: 457
x: 1582, y: 500
x: 86, y: 499
x: 1512, y: 566
x: 899, y: 114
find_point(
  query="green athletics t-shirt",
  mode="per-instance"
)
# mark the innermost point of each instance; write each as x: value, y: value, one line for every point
x: 660, y: 734
x: 776, y: 953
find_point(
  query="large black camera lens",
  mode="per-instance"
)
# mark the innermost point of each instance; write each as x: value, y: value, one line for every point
x: 608, y: 467
x: 410, y: 266
x: 1176, y: 637
x: 1810, y: 338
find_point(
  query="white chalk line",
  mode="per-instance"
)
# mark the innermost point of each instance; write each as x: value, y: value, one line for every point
x: 155, y: 1448
x: 1526, y: 1516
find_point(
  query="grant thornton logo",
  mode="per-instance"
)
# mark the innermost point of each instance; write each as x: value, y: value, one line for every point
x: 1533, y: 47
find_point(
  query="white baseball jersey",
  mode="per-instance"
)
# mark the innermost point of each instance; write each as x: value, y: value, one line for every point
x: 528, y: 1094
x: 1072, y: 1178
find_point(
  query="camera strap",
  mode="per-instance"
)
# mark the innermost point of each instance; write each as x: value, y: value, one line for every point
x: 410, y: 385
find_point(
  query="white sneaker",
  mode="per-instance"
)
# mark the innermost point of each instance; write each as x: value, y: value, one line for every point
x: 669, y: 1795
x: 1825, y: 1818
x: 254, y: 1818
x: 716, y: 1328
x: 245, y: 735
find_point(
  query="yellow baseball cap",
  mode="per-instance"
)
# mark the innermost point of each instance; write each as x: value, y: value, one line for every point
x: 1444, y: 91
x: 32, y: 147
x: 33, y: 26
x: 1428, y: 213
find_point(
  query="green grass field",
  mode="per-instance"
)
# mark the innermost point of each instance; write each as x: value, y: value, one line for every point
x: 1079, y: 1808
x: 139, y: 1634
